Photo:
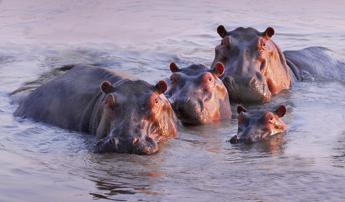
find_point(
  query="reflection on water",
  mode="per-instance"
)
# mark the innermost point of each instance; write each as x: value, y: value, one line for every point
x: 339, y: 156
x: 40, y: 162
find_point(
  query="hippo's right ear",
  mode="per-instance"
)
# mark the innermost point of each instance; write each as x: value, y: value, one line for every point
x: 174, y: 67
x: 222, y: 31
x: 161, y: 87
x: 106, y: 87
x: 268, y: 33
x: 218, y: 69
x: 240, y: 109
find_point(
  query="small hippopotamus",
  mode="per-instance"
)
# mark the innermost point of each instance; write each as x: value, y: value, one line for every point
x: 255, y: 127
x: 126, y: 114
x: 197, y: 94
x: 256, y: 68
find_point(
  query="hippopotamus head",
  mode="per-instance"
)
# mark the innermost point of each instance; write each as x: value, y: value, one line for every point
x: 135, y: 117
x: 197, y: 94
x: 255, y: 68
x: 254, y: 127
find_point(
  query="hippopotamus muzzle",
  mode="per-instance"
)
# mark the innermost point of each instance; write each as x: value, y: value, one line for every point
x: 143, y: 145
x: 137, y: 139
x: 190, y: 112
x: 252, y: 91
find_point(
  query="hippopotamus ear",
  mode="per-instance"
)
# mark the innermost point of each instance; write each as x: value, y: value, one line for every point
x: 221, y: 31
x: 218, y: 69
x: 174, y: 67
x: 281, y: 111
x: 106, y: 87
x: 161, y: 87
x: 268, y: 33
x: 240, y: 109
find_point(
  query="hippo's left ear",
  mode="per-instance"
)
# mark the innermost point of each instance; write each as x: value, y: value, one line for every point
x: 106, y: 87
x: 218, y: 69
x: 161, y: 87
x: 174, y: 67
x: 222, y: 31
x: 281, y: 111
x: 268, y: 33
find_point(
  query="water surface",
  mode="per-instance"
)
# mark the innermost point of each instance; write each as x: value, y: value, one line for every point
x: 44, y: 163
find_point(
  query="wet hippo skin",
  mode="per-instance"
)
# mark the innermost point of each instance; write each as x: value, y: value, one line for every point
x: 127, y: 115
x: 256, y: 68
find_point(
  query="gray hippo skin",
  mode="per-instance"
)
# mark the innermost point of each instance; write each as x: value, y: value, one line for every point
x: 256, y: 69
x: 127, y: 115
x: 257, y: 126
x: 197, y: 94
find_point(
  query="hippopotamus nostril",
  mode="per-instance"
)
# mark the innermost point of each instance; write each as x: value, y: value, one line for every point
x: 201, y: 104
x: 234, y: 140
x: 135, y: 140
x: 176, y: 107
x: 253, y: 82
x: 259, y: 76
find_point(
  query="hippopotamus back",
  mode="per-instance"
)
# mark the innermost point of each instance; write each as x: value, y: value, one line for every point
x: 68, y: 99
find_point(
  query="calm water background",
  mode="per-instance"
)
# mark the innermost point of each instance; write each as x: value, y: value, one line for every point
x: 44, y: 163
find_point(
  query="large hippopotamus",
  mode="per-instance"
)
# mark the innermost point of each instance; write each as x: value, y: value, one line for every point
x: 127, y: 115
x: 256, y: 69
x: 197, y: 94
x: 257, y: 126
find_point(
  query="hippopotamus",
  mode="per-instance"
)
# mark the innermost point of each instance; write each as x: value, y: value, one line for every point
x: 256, y: 68
x: 127, y: 115
x: 197, y: 94
x: 257, y: 126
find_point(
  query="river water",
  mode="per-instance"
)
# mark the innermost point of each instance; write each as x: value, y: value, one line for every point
x: 44, y: 163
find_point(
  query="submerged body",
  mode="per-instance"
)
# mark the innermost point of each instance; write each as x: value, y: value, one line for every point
x: 197, y: 94
x: 128, y: 115
x: 256, y: 68
x: 316, y: 63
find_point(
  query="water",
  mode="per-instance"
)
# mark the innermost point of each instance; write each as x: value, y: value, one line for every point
x: 44, y: 163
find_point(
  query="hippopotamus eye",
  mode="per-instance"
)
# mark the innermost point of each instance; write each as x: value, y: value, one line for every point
x: 207, y: 77
x: 174, y: 78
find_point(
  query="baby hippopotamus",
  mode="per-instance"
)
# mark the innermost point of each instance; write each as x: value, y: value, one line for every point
x: 197, y: 94
x: 254, y: 127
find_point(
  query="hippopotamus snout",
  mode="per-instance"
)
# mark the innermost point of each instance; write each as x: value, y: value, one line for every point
x: 137, y: 140
x: 249, y: 137
x: 248, y: 140
x: 190, y: 111
x: 250, y: 89
x: 142, y: 145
